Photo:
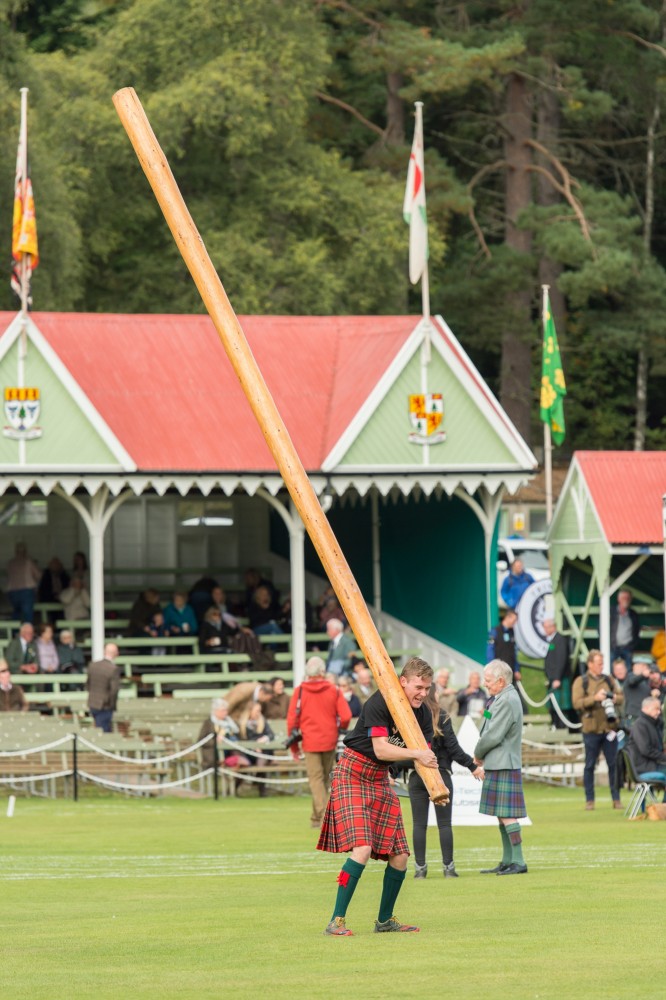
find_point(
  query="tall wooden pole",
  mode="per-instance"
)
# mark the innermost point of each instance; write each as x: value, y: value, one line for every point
x: 205, y: 277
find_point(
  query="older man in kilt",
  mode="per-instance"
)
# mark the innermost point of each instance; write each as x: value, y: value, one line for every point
x: 499, y: 751
x: 363, y: 817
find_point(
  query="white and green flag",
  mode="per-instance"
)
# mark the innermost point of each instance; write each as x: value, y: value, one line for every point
x: 414, y: 207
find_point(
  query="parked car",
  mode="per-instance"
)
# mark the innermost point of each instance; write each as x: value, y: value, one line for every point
x: 533, y: 553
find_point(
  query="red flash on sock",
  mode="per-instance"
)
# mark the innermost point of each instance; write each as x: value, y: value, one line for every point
x: 343, y: 879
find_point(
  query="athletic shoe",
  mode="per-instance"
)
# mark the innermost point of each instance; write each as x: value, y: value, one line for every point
x: 450, y: 871
x: 393, y: 924
x: 495, y: 871
x: 514, y: 869
x: 421, y: 871
x: 337, y: 928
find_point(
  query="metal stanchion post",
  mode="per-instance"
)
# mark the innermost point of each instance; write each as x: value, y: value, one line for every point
x: 216, y: 776
x: 75, y: 769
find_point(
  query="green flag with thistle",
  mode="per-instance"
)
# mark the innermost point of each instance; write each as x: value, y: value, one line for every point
x: 553, y: 386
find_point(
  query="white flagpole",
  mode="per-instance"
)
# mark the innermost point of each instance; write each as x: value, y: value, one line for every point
x: 22, y: 172
x: 547, y: 441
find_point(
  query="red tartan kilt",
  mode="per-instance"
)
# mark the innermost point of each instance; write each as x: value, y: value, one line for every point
x: 362, y: 810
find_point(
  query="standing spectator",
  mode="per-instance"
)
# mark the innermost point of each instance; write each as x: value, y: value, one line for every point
x: 499, y: 751
x: 646, y: 743
x: 75, y: 600
x: 636, y: 688
x: 445, y: 694
x: 317, y: 710
x: 53, y: 581
x: 502, y: 642
x: 278, y: 705
x: 557, y: 667
x: 240, y: 697
x: 624, y: 628
x: 12, y: 696
x: 515, y: 583
x: 23, y: 577
x: 363, y: 816
x: 21, y: 652
x: 352, y: 699
x: 179, y: 616
x: 471, y: 699
x: 657, y: 684
x: 365, y: 683
x: 448, y: 749
x: 341, y: 648
x: 598, y: 699
x: 70, y: 656
x: 103, y: 687
x: 47, y: 654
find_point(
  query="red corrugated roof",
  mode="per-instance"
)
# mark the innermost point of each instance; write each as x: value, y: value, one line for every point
x: 627, y: 489
x: 166, y: 388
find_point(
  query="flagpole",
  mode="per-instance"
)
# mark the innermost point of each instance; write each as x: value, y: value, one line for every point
x: 425, y: 281
x: 23, y: 167
x: 547, y: 439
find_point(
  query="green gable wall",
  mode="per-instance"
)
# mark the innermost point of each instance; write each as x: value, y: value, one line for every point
x: 470, y: 438
x: 67, y: 438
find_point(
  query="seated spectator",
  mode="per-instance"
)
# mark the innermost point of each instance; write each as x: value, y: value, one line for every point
x: 341, y: 648
x: 21, y: 652
x: 277, y: 706
x: 47, y: 654
x: 12, y: 696
x: 80, y: 568
x: 345, y: 685
x: 75, y: 600
x: 365, y: 683
x: 226, y: 730
x: 157, y: 629
x: 284, y: 620
x: 515, y: 584
x: 199, y: 596
x: 70, y: 656
x: 330, y: 608
x: 646, y: 742
x: 262, y: 612
x: 657, y: 683
x: 213, y: 633
x: 253, y: 726
x: 179, y: 616
x: 218, y: 599
x: 54, y: 580
x: 471, y: 700
x: 254, y: 579
x: 444, y: 693
x: 143, y: 609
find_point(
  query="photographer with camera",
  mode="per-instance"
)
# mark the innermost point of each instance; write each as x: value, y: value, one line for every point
x: 316, y: 710
x: 598, y: 699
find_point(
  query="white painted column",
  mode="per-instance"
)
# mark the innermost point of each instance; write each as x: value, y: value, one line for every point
x: 604, y: 625
x: 297, y: 570
x: 376, y: 553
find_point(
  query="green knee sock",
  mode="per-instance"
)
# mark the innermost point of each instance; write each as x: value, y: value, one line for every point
x: 513, y: 833
x: 393, y: 880
x: 507, y: 856
x: 347, y: 882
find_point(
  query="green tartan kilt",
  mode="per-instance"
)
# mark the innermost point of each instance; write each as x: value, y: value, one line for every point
x: 502, y: 794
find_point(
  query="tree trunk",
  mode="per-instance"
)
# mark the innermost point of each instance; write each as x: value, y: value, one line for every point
x: 548, y: 129
x: 395, y: 111
x: 516, y: 367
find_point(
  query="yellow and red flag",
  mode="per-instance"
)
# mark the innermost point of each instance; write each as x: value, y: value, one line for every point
x: 24, y: 230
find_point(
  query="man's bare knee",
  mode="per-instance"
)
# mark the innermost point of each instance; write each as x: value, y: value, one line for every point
x: 361, y: 855
x: 399, y: 861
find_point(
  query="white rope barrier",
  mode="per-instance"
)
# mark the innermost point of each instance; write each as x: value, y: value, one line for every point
x: 526, y: 697
x: 266, y: 781
x: 143, y: 760
x: 40, y: 749
x: 550, y: 697
x: 145, y: 787
x: 35, y: 777
x: 262, y: 755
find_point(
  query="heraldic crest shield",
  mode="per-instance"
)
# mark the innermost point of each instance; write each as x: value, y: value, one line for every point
x: 426, y: 414
x: 22, y: 405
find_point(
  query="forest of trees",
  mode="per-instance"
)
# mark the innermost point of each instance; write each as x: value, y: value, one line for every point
x: 288, y: 123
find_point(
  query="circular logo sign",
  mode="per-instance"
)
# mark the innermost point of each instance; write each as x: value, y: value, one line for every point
x: 533, y: 607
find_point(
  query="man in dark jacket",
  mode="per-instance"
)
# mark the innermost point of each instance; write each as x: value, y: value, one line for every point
x: 636, y: 688
x: 317, y: 709
x: 103, y: 687
x: 12, y: 697
x: 599, y: 700
x: 557, y: 666
x: 624, y: 628
x: 646, y: 742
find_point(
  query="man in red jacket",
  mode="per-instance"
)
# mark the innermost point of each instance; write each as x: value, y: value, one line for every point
x: 318, y: 709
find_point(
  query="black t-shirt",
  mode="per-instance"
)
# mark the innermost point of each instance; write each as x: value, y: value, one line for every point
x: 376, y: 720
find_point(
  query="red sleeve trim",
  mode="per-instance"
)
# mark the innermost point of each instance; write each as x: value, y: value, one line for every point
x: 378, y: 731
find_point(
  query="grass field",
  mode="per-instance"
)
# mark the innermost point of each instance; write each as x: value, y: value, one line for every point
x: 192, y: 898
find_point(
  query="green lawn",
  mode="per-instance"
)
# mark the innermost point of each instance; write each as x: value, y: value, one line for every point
x: 192, y: 898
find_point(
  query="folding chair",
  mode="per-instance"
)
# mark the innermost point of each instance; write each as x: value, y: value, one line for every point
x: 643, y: 789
